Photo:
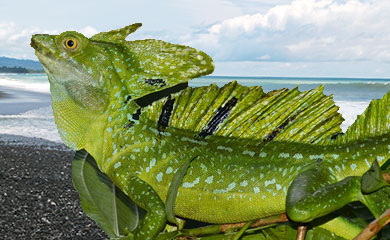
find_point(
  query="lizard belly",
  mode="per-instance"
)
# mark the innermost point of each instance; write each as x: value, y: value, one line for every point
x: 221, y: 191
x: 229, y: 207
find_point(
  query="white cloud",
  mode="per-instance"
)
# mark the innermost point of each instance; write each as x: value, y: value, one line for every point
x: 88, y: 31
x: 304, y: 30
x: 15, y: 39
x: 336, y: 69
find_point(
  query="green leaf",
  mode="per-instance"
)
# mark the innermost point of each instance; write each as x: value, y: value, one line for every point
x: 110, y: 208
x: 172, y: 191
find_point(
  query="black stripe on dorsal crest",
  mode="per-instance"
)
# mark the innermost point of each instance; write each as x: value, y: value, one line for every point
x: 221, y: 114
x: 154, y: 96
x: 156, y: 82
x: 274, y: 133
x: 166, y: 113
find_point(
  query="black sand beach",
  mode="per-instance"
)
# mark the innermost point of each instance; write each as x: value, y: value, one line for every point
x: 37, y: 199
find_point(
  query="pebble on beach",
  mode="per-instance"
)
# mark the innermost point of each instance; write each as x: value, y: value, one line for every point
x: 37, y: 198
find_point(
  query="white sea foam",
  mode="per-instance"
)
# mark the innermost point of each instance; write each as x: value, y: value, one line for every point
x: 349, y: 111
x: 34, y: 123
x: 35, y: 83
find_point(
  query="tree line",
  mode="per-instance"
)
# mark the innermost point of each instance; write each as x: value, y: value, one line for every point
x: 17, y: 70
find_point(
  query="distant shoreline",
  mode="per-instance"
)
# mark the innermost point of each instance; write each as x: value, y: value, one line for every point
x: 4, y: 69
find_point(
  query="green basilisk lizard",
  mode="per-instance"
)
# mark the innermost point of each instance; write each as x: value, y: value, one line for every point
x: 254, y: 154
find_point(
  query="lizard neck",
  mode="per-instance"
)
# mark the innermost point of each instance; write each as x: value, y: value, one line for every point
x: 120, y: 121
x: 73, y: 130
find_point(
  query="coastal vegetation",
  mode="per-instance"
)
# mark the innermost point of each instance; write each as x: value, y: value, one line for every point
x: 18, y: 70
x: 13, y: 65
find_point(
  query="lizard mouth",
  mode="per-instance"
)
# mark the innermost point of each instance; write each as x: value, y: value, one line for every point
x: 42, y: 45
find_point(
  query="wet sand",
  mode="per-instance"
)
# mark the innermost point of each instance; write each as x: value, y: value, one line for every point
x: 14, y: 101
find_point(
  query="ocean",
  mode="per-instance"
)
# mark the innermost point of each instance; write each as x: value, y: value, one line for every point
x: 25, y: 98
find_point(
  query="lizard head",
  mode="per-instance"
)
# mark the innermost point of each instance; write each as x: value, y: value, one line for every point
x: 89, y: 75
x: 73, y: 64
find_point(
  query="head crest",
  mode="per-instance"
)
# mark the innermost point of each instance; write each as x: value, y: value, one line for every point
x: 118, y: 35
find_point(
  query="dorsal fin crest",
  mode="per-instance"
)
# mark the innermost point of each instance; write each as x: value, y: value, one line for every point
x: 237, y: 111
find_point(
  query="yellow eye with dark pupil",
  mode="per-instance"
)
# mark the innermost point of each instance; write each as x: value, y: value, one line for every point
x: 71, y: 44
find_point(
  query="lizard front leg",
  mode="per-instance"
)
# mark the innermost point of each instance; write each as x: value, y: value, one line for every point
x: 146, y: 197
x: 312, y: 195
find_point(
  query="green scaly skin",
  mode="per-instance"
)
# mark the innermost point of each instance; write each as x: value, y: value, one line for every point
x: 244, y: 169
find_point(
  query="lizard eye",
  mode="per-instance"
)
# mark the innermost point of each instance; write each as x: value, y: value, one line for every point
x: 70, y: 44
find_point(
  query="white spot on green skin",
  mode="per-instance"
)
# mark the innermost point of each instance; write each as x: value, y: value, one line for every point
x: 353, y: 166
x: 316, y: 156
x: 189, y: 184
x: 244, y: 183
x: 159, y: 177
x: 109, y: 129
x: 298, y: 156
x: 152, y: 162
x: 209, y: 179
x: 230, y: 187
x: 367, y: 163
x: 249, y: 153
x: 225, y: 148
x: 256, y: 190
x: 204, y: 167
x: 261, y: 175
x: 118, y: 164
x: 284, y: 155
x: 169, y: 170
x: 269, y: 182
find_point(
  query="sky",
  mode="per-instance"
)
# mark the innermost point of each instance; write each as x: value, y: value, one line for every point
x: 299, y: 38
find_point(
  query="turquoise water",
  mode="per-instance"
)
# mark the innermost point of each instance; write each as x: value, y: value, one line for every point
x: 352, y: 95
x: 343, y: 89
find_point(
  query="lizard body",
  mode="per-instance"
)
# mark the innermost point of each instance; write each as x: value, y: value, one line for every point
x: 255, y: 154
